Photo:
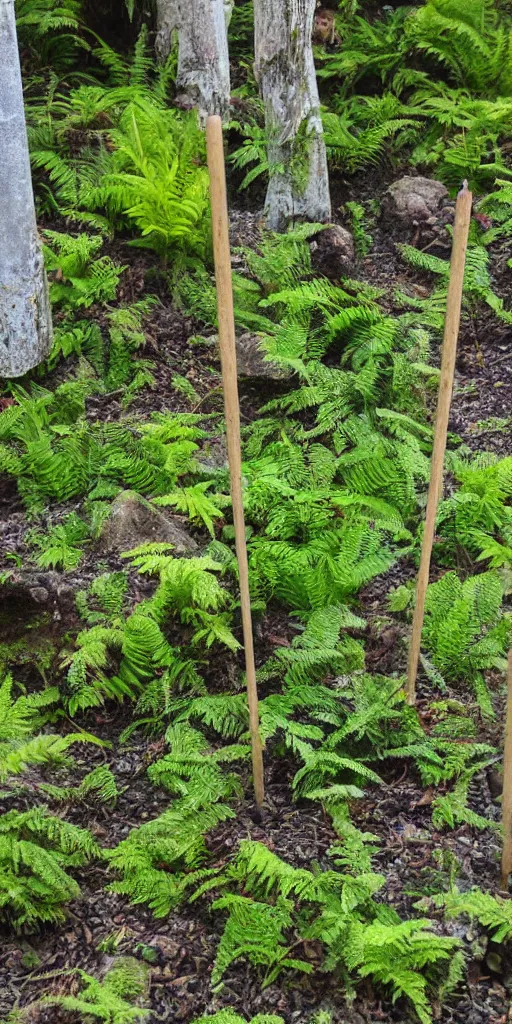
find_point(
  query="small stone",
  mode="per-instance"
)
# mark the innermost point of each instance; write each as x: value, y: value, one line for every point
x: 213, y: 457
x: 39, y: 594
x: 133, y: 521
x: 332, y: 252
x: 412, y: 201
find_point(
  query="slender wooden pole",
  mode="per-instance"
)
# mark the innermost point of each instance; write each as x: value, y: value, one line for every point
x: 222, y: 256
x: 506, y: 806
x: 451, y: 331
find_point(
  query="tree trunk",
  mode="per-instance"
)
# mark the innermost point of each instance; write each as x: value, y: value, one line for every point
x: 203, y: 59
x: 25, y: 318
x: 299, y: 182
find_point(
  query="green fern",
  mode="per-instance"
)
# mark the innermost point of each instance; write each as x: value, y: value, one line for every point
x: 99, y: 784
x: 357, y: 935
x: 36, y: 851
x: 162, y: 859
x: 464, y: 630
x: 114, y: 999
x: 493, y: 912
x: 60, y: 548
x: 77, y: 277
x: 20, y: 744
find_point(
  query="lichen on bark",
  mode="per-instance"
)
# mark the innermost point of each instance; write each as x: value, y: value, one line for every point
x: 298, y: 177
x: 25, y: 319
x: 203, y: 60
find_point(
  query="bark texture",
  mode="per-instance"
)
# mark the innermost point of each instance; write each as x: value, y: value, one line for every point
x: 25, y: 318
x: 285, y: 70
x: 203, y: 59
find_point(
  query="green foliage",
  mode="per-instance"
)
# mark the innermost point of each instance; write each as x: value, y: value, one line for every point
x: 46, y: 443
x: 36, y: 851
x: 77, y: 277
x: 493, y: 912
x: 154, y: 182
x: 20, y: 719
x: 478, y: 516
x: 108, y: 593
x: 51, y: 31
x: 228, y: 1016
x: 161, y: 860
x: 365, y: 127
x: 113, y: 1000
x: 196, y: 504
x: 88, y: 684
x: 252, y: 151
x: 363, y: 241
x: 477, y: 281
x: 358, y: 936
x: 139, y: 164
x: 189, y: 590
x: 465, y: 630
x: 498, y: 206
x: 60, y: 547
x: 100, y: 784
x: 444, y: 68
x: 470, y: 41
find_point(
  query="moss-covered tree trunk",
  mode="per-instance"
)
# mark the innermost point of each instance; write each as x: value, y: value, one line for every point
x: 25, y: 319
x: 203, y: 59
x: 299, y: 183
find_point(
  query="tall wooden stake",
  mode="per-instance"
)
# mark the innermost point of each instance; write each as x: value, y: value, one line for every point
x: 506, y: 806
x: 222, y: 257
x: 451, y: 331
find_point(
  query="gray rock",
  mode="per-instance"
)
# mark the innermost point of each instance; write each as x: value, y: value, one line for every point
x: 332, y: 252
x: 134, y: 521
x: 39, y: 594
x: 412, y: 202
x: 250, y: 359
x: 213, y: 457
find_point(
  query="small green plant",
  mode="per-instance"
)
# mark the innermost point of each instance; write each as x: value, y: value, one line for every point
x: 61, y: 547
x: 465, y: 630
x: 78, y: 276
x: 493, y: 912
x: 100, y: 784
x: 363, y: 241
x: 21, y: 745
x: 116, y: 999
x: 358, y: 935
x: 37, y: 851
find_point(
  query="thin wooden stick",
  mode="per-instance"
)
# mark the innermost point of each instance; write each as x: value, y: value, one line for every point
x: 506, y: 806
x: 451, y: 331
x: 222, y: 256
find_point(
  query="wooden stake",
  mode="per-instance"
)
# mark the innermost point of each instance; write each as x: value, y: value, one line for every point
x: 451, y: 331
x: 222, y: 257
x: 506, y: 806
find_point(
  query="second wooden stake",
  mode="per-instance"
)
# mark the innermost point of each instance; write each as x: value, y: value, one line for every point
x: 222, y: 256
x: 451, y: 332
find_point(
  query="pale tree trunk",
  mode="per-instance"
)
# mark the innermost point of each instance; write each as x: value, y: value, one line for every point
x: 299, y: 182
x: 203, y: 59
x: 25, y: 318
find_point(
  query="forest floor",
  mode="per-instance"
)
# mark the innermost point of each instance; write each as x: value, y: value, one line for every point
x: 180, y: 949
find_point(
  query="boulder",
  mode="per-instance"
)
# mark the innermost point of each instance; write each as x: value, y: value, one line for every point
x: 411, y: 204
x: 134, y: 521
x: 28, y: 593
x: 332, y: 252
x: 213, y: 456
x: 250, y: 359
